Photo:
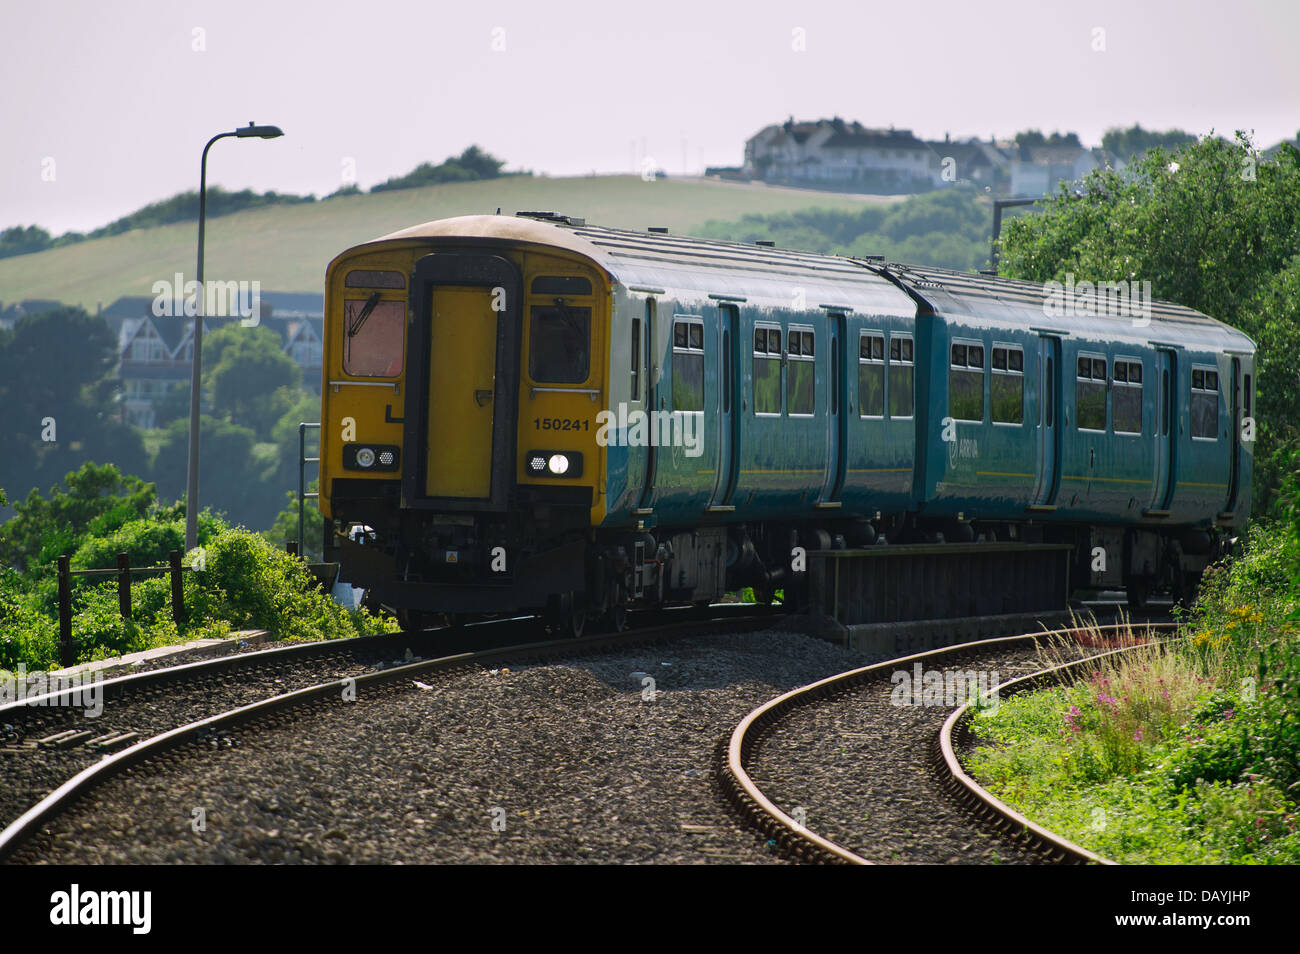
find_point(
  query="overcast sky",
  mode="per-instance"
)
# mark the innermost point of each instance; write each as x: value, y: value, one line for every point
x: 114, y: 100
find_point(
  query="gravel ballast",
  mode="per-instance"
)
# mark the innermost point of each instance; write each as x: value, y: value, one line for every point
x: 564, y: 762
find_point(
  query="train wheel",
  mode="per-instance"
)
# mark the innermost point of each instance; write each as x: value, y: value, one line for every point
x: 1138, y: 595
x: 413, y: 621
x: 572, y: 615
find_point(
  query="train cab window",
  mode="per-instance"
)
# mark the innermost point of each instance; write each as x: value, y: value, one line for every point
x: 688, y: 364
x: 561, y: 285
x: 767, y: 370
x: 966, y: 382
x: 1205, y: 403
x: 374, y: 278
x: 373, y: 332
x: 801, y: 372
x: 559, y: 343
x: 901, y: 373
x: 1126, y: 397
x: 1090, y: 394
x: 871, y: 374
x: 1007, y: 386
x: 1245, y: 394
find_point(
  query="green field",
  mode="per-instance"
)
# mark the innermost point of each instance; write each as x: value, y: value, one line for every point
x: 286, y: 248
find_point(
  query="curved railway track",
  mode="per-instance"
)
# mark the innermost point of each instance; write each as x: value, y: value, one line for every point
x: 213, y: 727
x: 962, y: 820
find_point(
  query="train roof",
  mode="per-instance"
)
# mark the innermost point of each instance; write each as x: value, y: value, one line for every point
x: 741, y: 270
x: 961, y: 294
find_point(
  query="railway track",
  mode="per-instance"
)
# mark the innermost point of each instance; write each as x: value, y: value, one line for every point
x: 213, y: 728
x: 901, y: 795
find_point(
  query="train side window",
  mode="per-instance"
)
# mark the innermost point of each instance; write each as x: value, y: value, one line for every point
x: 688, y: 364
x: 801, y: 372
x: 1245, y: 395
x: 966, y: 382
x: 1205, y: 403
x: 767, y: 370
x: 1090, y: 394
x: 901, y: 374
x: 871, y: 374
x: 636, y: 359
x: 1126, y: 397
x: 1007, y: 386
x: 559, y: 344
x: 373, y: 337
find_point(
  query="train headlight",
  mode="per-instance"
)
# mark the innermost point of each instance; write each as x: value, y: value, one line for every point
x: 372, y: 457
x: 553, y: 463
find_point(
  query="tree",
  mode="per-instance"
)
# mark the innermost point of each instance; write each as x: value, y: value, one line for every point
x: 1127, y: 143
x: 57, y: 389
x: 99, y: 499
x: 1214, y: 227
x: 234, y: 478
x: 247, y: 378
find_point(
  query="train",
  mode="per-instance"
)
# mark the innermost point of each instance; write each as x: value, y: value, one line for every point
x: 530, y: 414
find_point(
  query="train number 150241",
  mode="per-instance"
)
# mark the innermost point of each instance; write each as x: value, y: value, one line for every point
x: 561, y: 424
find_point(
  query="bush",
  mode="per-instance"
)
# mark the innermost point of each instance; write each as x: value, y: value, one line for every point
x: 253, y: 585
x: 145, y: 542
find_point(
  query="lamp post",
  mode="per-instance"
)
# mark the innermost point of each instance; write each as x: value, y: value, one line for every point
x: 192, y: 484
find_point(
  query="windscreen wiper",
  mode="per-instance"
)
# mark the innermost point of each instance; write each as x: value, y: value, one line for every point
x: 371, y: 302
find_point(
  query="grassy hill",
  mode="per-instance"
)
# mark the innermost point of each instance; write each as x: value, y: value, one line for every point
x: 286, y: 248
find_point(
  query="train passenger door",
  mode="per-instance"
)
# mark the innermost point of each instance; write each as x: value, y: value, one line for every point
x: 464, y: 366
x: 653, y: 365
x: 1234, y: 437
x: 1166, y: 419
x: 728, y: 420
x: 638, y: 398
x: 1049, y: 403
x: 835, y: 420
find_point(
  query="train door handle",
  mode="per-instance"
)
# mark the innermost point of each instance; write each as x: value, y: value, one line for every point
x: 482, y: 397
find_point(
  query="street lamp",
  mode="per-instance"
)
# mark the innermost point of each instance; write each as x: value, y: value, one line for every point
x: 192, y: 488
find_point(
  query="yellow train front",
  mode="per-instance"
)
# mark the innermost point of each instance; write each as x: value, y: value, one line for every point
x: 451, y: 482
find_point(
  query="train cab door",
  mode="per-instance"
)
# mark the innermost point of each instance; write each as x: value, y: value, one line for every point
x: 835, y: 421
x: 464, y: 343
x: 1166, y: 419
x: 1234, y: 436
x: 1049, y: 420
x: 728, y: 420
x: 651, y: 343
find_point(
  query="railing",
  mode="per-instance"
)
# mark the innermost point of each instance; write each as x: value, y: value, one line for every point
x: 67, y: 649
x: 303, y: 461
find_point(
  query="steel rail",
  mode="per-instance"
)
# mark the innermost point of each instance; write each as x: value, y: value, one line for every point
x: 35, y: 818
x: 797, y: 839
x: 1008, y: 818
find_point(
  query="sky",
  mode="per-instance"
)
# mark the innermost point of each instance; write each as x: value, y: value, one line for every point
x: 106, y: 106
